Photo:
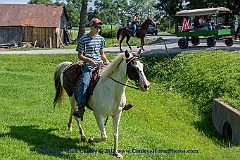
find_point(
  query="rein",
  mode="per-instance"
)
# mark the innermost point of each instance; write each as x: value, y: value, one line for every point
x: 123, y: 83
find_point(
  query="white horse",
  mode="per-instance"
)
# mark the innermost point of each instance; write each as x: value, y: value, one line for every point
x: 108, y: 98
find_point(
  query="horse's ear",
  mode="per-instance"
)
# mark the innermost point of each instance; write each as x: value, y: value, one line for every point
x: 139, y: 52
x: 127, y: 55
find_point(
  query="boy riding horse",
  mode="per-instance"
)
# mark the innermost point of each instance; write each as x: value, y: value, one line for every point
x: 90, y: 50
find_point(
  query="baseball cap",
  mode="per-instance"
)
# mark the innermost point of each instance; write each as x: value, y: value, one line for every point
x: 95, y: 21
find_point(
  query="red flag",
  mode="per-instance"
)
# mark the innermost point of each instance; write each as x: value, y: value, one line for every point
x: 185, y: 24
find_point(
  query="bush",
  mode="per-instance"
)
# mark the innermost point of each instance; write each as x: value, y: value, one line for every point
x: 106, y: 31
x: 201, y: 76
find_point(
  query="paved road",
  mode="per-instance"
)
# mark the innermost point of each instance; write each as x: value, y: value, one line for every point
x: 158, y: 48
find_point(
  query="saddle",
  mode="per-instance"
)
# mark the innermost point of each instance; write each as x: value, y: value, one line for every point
x: 130, y: 28
x: 72, y: 76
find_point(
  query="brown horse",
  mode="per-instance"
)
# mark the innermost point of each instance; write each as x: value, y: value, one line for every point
x: 141, y: 33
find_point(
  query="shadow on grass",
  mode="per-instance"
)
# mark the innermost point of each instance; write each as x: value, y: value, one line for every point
x: 44, y: 142
x: 205, y: 126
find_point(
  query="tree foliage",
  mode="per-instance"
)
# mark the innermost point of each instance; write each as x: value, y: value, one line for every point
x: 122, y: 11
x: 169, y: 7
x: 73, y: 8
x: 231, y: 4
x: 40, y: 2
x: 112, y: 10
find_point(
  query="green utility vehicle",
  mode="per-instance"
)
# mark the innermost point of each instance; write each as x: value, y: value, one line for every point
x: 190, y: 31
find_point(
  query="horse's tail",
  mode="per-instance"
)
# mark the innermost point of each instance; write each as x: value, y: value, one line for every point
x: 60, y: 92
x: 119, y: 33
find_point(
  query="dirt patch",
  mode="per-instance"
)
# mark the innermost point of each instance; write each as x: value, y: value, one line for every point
x: 3, y: 49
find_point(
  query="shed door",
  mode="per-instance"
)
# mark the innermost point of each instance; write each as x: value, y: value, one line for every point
x: 10, y: 35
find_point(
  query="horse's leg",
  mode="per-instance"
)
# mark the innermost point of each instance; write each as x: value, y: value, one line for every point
x: 81, y: 131
x: 73, y: 107
x: 120, y: 45
x: 128, y: 38
x: 100, y: 123
x: 142, y: 43
x: 116, y: 120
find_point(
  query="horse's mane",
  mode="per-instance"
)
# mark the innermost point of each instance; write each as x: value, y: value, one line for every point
x: 145, y: 21
x: 113, y: 66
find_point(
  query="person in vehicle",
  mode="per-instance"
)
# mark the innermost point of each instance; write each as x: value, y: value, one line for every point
x: 202, y: 24
x: 208, y: 22
x: 196, y: 23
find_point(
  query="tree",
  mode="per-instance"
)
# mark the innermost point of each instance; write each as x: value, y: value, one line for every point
x: 40, y: 2
x: 169, y: 7
x: 122, y: 11
x: 140, y: 6
x: 80, y: 7
x: 107, y: 10
x: 73, y: 14
x: 83, y: 17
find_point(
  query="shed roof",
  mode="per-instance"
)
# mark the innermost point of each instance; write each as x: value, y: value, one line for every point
x: 36, y: 15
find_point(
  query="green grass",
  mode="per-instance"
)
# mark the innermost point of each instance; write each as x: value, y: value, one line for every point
x: 200, y: 76
x: 161, y: 119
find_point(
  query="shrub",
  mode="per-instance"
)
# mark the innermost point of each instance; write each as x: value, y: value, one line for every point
x: 201, y: 76
x: 107, y: 32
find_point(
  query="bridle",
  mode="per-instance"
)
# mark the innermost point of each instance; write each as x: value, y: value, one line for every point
x: 130, y: 71
x: 123, y: 83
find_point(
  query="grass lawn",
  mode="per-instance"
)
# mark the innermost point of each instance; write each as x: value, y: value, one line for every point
x: 162, y: 125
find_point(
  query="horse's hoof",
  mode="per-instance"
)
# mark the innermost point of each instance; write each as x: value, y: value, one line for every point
x: 83, y: 139
x: 70, y: 127
x: 91, y: 140
x: 118, y: 155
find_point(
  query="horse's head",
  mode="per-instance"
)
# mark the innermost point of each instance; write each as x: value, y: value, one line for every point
x: 135, y: 70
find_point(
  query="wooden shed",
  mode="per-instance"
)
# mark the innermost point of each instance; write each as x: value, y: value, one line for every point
x: 40, y: 24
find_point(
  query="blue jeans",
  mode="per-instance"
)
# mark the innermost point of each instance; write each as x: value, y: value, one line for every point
x: 134, y: 26
x: 85, y: 81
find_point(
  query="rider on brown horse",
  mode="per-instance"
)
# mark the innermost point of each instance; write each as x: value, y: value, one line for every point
x: 135, y: 23
x: 141, y: 33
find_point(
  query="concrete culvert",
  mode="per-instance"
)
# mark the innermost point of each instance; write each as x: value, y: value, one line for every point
x: 227, y: 131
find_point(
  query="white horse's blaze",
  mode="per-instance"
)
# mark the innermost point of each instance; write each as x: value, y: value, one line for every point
x: 143, y: 83
x: 108, y: 97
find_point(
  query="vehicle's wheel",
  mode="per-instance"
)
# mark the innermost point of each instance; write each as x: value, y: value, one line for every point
x: 156, y: 33
x: 211, y: 42
x: 229, y: 42
x: 183, y: 43
x: 195, y: 40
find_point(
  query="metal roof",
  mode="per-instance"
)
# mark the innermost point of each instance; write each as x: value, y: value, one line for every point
x: 36, y: 15
x: 203, y: 11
